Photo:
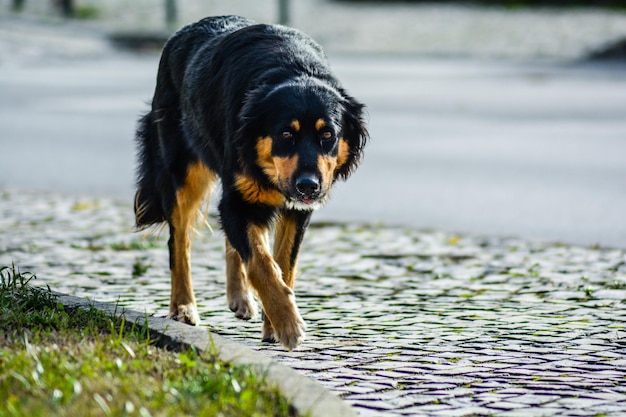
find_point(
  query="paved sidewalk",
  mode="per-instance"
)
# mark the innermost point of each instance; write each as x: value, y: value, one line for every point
x: 427, y: 29
x: 400, y: 321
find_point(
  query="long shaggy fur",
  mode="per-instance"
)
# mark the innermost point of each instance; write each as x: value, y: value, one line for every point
x: 257, y: 106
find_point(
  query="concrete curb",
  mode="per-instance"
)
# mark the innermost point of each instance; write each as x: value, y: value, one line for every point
x: 304, y: 394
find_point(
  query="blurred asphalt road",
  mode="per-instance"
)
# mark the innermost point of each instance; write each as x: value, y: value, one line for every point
x: 534, y: 150
x: 528, y: 150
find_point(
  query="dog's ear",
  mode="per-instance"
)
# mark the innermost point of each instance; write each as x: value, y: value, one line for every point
x: 249, y: 112
x: 249, y: 118
x: 354, y: 132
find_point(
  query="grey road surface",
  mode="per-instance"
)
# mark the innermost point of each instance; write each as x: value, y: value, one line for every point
x: 537, y: 151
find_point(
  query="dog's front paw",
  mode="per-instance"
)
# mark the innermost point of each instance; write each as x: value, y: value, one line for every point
x: 243, y: 305
x: 185, y: 313
x: 292, y: 333
x: 287, y: 328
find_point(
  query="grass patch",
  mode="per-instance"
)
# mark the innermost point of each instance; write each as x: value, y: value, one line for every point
x: 118, y: 247
x: 87, y: 13
x: 84, y: 363
x: 140, y: 268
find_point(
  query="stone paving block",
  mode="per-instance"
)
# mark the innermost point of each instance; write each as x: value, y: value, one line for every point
x: 386, y: 396
x: 507, y: 405
x: 531, y: 412
x: 373, y: 406
x: 464, y: 412
x: 316, y: 366
x: 397, y: 403
x: 609, y: 396
x: 389, y: 374
x: 534, y: 399
x: 513, y: 391
x: 491, y: 396
x: 616, y: 409
x: 496, y: 365
x: 424, y: 410
x: 580, y: 403
x: 460, y: 370
x: 445, y: 379
x: 358, y: 389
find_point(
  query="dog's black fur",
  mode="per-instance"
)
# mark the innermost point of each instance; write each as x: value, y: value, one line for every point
x: 258, y: 106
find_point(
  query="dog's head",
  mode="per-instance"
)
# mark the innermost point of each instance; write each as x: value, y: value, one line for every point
x: 307, y: 135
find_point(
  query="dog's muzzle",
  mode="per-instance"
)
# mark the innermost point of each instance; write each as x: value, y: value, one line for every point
x: 307, y: 193
x: 308, y: 188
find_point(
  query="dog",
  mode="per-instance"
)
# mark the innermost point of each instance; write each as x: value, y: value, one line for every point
x: 257, y: 106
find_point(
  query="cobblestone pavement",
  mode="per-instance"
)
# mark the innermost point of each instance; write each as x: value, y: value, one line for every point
x: 400, y: 321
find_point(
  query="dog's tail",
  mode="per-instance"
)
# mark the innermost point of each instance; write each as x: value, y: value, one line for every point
x: 148, y: 201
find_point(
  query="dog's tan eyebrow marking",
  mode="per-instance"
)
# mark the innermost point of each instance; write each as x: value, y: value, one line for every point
x: 319, y: 124
x: 295, y: 125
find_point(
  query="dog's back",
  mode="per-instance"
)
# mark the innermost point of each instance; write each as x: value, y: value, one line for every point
x: 156, y: 157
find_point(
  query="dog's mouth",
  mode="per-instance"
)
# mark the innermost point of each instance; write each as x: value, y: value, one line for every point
x: 306, y: 202
x: 308, y: 199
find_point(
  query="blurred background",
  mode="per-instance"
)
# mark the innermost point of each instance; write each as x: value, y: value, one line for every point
x: 493, y: 117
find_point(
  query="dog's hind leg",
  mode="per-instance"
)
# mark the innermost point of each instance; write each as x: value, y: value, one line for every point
x: 238, y: 291
x: 288, y: 235
x: 189, y: 196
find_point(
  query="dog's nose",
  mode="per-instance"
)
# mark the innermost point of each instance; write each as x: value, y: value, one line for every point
x: 307, y: 185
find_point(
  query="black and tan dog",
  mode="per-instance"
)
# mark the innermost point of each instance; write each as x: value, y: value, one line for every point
x: 257, y: 106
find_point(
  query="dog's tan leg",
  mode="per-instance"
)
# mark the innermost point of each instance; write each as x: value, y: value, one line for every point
x: 238, y: 291
x: 189, y: 196
x: 288, y: 235
x: 285, y: 238
x: 278, y: 298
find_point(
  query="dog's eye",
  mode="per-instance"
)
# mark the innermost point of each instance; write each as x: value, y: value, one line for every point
x: 327, y: 135
x: 287, y: 135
